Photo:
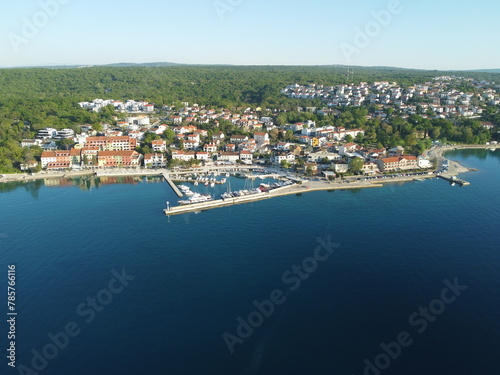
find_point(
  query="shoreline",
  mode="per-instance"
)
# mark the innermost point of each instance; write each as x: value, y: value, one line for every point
x: 305, y: 187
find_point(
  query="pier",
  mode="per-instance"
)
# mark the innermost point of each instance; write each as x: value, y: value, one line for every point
x: 277, y: 192
x: 174, y: 187
x: 453, y: 179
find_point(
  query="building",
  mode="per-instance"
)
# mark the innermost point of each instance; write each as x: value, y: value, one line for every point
x: 246, y: 156
x: 121, y: 159
x: 123, y: 143
x: 182, y: 155
x: 261, y: 138
x: 228, y: 156
x: 47, y: 133
x: 210, y: 148
x: 202, y: 155
x: 397, y: 163
x: 155, y: 160
x: 283, y: 156
x: 65, y: 134
x: 316, y: 157
x: 237, y: 139
x: 340, y: 166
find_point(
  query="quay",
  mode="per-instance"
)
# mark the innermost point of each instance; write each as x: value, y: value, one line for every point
x: 281, y: 191
x: 174, y: 187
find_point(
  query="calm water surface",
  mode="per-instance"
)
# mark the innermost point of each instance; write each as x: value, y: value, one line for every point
x: 196, y: 274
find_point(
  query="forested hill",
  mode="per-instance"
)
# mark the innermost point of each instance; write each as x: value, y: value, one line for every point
x: 216, y: 85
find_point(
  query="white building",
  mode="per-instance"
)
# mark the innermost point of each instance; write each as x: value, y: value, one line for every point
x: 155, y: 160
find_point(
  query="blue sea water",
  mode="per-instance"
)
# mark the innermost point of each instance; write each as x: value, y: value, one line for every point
x: 196, y: 274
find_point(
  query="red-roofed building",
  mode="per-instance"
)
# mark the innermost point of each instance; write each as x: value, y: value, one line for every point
x: 123, y: 143
x: 397, y: 163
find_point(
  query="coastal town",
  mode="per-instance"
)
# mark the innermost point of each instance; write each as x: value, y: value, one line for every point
x: 191, y: 139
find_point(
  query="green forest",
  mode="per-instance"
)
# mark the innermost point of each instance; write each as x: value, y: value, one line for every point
x: 34, y: 98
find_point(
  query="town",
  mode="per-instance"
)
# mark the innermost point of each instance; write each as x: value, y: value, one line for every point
x: 191, y: 135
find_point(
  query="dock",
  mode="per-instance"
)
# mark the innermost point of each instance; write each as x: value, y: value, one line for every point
x: 453, y: 179
x: 174, y: 187
x: 277, y: 192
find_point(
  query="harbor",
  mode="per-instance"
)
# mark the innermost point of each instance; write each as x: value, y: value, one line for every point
x: 289, y: 189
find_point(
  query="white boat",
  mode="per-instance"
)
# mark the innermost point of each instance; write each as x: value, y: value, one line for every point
x: 196, y: 183
x: 212, y: 184
x: 196, y: 198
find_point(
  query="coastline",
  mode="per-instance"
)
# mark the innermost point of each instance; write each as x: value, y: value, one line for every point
x: 304, y: 187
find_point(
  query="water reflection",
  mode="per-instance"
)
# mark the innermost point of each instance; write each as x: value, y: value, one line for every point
x: 86, y: 183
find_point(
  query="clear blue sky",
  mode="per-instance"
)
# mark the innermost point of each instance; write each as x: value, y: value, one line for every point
x: 424, y: 34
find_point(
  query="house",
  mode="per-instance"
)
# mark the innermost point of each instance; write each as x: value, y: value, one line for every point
x: 316, y: 157
x: 228, y: 156
x: 182, y: 155
x: 246, y: 156
x: 210, y: 148
x: 261, y: 138
x: 397, y: 151
x: 237, y: 138
x: 305, y: 139
x: 424, y: 163
x: 218, y: 137
x: 30, y: 142
x: 202, y: 155
x: 230, y: 147
x: 75, y: 157
x: 283, y: 146
x: 191, y: 145
x: 155, y: 160
x: 347, y: 148
x: 195, y: 137
x: 397, y: 163
x: 283, y: 156
x: 159, y: 145
x: 29, y: 165
x: 370, y: 168
x: 311, y: 168
x: 340, y: 166
x: 47, y: 157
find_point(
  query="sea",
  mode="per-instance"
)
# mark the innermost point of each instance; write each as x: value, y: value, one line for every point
x: 402, y: 279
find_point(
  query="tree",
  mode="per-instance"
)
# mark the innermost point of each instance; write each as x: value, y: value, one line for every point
x: 284, y: 164
x: 65, y: 143
x: 356, y: 165
x: 348, y: 138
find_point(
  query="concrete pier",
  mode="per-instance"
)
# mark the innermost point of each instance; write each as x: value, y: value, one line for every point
x: 453, y: 179
x: 174, y: 187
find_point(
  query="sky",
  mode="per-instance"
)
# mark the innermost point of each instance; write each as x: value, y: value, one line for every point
x: 424, y: 34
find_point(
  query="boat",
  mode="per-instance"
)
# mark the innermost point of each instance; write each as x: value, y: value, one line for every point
x: 196, y: 198
x: 418, y: 179
x: 212, y: 184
